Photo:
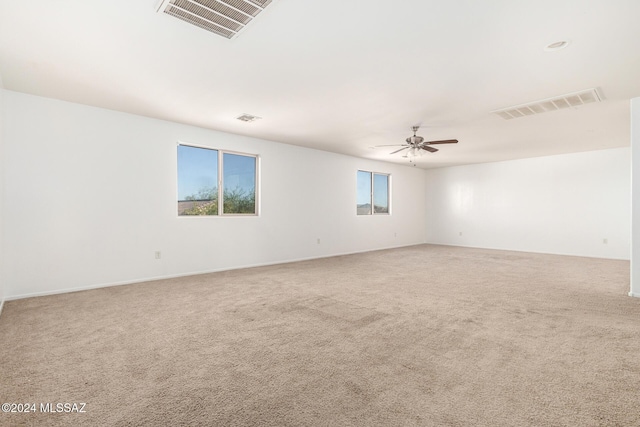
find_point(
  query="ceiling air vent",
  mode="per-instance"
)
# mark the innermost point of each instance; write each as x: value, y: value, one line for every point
x: 574, y: 99
x: 223, y: 17
x: 248, y: 118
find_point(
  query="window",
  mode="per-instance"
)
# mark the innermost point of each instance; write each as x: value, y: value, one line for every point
x: 373, y: 193
x: 215, y: 182
x: 238, y: 184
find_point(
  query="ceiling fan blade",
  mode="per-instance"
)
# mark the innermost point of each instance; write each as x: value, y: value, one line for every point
x: 397, y: 151
x: 444, y: 141
x: 390, y: 145
x: 429, y: 149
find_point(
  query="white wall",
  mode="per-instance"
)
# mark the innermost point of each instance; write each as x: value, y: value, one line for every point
x: 91, y: 195
x: 565, y: 204
x: 635, y: 198
x: 2, y: 293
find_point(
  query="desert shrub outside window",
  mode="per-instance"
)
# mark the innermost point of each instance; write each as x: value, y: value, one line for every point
x: 216, y: 182
x: 372, y: 193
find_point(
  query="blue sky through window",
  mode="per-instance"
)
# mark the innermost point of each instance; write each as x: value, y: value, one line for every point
x: 381, y: 190
x: 239, y: 172
x: 197, y: 170
x: 364, y: 188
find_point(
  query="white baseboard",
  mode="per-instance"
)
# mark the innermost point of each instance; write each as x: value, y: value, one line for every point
x: 1, y: 305
x: 497, y: 248
x: 631, y: 294
x: 192, y: 273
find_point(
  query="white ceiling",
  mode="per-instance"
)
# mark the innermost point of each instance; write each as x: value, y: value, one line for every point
x: 345, y: 75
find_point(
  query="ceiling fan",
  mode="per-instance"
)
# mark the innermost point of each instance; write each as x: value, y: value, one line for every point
x: 415, y: 144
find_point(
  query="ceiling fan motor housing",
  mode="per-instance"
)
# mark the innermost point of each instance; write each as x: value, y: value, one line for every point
x: 414, y: 140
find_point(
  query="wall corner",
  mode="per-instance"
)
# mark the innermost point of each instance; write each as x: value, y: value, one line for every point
x: 635, y: 198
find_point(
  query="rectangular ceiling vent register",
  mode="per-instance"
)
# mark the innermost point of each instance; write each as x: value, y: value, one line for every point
x: 574, y: 99
x: 223, y: 17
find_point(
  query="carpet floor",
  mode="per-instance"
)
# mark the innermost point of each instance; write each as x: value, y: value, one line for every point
x: 424, y: 335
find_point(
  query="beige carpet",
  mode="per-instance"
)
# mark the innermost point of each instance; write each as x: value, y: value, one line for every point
x: 425, y: 335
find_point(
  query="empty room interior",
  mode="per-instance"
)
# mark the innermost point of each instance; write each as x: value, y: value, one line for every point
x: 335, y: 213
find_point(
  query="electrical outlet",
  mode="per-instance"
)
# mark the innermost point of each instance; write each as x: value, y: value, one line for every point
x: 158, y: 254
x: 605, y: 241
x: 318, y: 240
x: 460, y: 233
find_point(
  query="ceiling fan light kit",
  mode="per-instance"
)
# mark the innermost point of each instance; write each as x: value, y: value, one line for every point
x: 413, y: 152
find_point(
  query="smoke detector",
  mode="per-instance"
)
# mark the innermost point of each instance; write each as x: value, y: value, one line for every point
x: 574, y: 99
x: 222, y: 17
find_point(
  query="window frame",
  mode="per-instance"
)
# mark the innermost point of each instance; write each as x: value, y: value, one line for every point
x: 220, y: 182
x: 372, y: 192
